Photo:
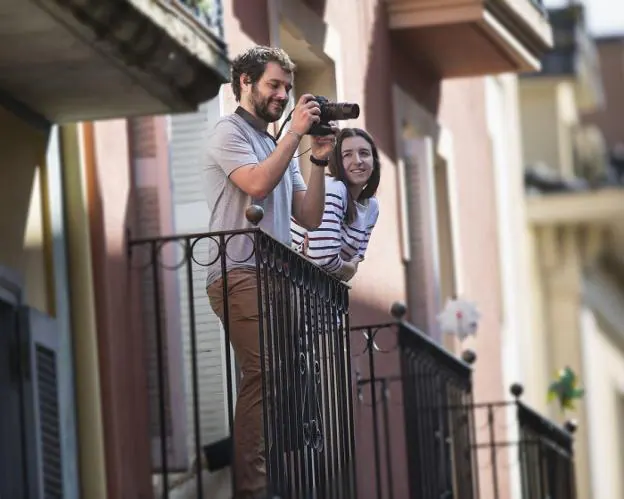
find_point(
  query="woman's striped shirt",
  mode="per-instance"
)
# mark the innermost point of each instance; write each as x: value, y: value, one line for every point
x: 334, y: 241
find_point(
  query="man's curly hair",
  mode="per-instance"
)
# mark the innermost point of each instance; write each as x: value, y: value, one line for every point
x: 253, y: 62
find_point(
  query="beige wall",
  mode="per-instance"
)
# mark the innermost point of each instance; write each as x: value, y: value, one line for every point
x: 548, y: 116
x: 604, y: 382
x: 22, y: 226
x: 557, y: 273
x: 540, y: 372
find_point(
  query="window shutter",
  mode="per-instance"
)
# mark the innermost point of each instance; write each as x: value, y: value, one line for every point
x: 187, y: 141
x: 151, y: 185
x: 13, y: 465
x: 39, y: 340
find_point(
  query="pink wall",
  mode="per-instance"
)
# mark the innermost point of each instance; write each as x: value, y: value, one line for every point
x: 463, y: 112
x: 121, y: 350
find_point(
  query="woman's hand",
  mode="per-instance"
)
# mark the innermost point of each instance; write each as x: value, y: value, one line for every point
x: 347, y: 271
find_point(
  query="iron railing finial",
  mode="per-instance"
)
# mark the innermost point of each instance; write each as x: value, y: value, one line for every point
x: 398, y: 310
x: 469, y: 356
x: 254, y: 214
x: 517, y: 390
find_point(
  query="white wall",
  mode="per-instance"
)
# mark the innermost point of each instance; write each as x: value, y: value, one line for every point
x: 604, y: 385
x: 504, y: 131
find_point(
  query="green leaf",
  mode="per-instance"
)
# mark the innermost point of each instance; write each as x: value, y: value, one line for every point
x: 578, y: 393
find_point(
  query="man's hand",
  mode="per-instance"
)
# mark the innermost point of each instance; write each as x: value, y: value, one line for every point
x: 306, y: 113
x: 323, y: 146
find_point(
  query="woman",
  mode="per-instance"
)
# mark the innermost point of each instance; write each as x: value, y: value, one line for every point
x: 351, y: 208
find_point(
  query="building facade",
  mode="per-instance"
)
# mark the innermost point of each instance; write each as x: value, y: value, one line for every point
x: 73, y: 63
x: 448, y: 139
x: 447, y: 144
x: 573, y: 207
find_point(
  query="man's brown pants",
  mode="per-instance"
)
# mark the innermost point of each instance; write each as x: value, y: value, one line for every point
x: 249, y: 458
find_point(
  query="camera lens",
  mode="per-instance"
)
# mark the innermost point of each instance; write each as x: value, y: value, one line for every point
x: 350, y: 111
x: 341, y: 111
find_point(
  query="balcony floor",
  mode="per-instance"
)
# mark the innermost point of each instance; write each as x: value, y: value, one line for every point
x: 98, y: 60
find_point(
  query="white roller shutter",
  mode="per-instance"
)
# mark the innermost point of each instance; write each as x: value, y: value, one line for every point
x: 187, y: 135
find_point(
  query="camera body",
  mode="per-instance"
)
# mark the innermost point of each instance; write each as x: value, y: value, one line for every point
x: 332, y: 111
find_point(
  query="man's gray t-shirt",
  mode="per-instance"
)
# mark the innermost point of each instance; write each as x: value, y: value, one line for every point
x: 234, y: 142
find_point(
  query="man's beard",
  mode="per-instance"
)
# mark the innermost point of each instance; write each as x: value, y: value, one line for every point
x: 262, y: 107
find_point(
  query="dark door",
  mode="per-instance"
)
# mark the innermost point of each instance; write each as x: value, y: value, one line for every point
x: 12, y: 455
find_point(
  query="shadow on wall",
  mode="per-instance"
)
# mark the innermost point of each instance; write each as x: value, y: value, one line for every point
x: 388, y: 65
x: 123, y: 372
x: 363, y: 313
x: 23, y: 149
x: 254, y: 22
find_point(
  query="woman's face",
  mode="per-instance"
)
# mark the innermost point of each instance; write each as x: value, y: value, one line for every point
x: 357, y: 160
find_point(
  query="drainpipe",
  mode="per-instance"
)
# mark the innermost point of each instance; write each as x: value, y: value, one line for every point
x: 77, y: 151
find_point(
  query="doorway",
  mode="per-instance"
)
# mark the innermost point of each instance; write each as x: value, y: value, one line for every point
x: 13, y: 477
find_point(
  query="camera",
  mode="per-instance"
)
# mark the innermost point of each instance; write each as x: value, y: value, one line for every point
x: 332, y: 111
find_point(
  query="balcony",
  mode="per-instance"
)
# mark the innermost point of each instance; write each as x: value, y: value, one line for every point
x: 409, y: 390
x: 193, y: 379
x: 413, y: 414
x: 538, y: 451
x: 76, y: 60
x: 405, y: 401
x: 472, y: 37
x: 430, y: 440
x: 574, y: 57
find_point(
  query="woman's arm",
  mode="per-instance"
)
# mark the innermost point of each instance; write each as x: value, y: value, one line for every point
x: 372, y: 221
x: 349, y: 269
x: 325, y: 242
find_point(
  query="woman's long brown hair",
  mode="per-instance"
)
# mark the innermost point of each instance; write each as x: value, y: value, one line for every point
x: 336, y: 169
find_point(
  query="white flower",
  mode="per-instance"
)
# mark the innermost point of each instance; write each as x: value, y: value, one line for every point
x: 459, y: 317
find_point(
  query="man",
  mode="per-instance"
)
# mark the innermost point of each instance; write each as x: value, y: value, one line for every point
x: 246, y: 166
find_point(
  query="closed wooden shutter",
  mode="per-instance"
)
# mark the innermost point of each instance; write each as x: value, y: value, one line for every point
x: 13, y: 458
x: 187, y: 147
x: 170, y: 200
x: 43, y: 429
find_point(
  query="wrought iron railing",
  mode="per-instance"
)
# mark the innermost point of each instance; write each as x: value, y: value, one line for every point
x: 517, y: 442
x: 415, y: 400
x: 304, y: 350
x: 413, y: 416
x: 208, y: 12
x: 422, y: 436
x: 546, y: 456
